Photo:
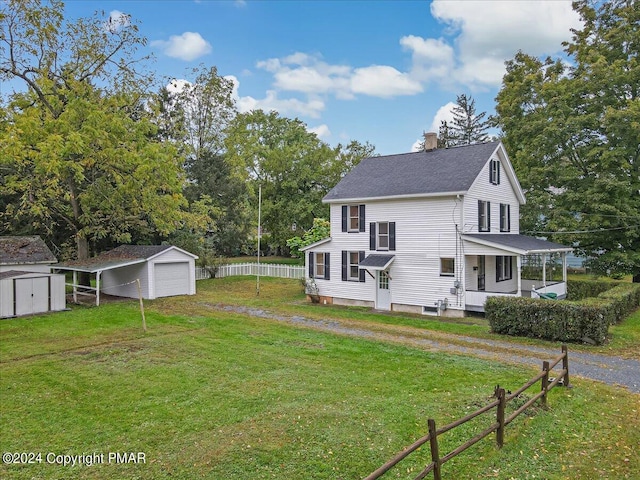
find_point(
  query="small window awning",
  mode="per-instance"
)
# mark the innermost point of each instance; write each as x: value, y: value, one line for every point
x: 376, y: 262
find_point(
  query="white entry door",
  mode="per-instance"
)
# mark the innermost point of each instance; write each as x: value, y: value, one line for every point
x: 383, y: 294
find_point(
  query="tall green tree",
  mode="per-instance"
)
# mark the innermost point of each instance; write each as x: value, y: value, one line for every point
x: 78, y: 152
x: 572, y: 129
x: 279, y: 155
x: 194, y: 116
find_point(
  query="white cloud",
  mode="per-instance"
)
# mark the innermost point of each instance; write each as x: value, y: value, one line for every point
x: 489, y: 33
x: 445, y: 113
x: 188, y: 46
x: 322, y: 131
x: 284, y: 106
x: 383, y: 81
x: 117, y: 21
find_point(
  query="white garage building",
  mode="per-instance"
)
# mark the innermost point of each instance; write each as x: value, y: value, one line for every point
x: 163, y: 271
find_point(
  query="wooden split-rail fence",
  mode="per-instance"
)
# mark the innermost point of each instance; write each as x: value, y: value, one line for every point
x: 502, y: 420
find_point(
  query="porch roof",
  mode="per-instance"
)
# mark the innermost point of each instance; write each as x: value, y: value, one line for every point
x: 376, y: 262
x: 516, y: 243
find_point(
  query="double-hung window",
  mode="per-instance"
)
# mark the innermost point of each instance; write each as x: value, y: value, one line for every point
x: 319, y: 265
x: 354, y: 269
x: 505, y: 217
x: 351, y: 271
x: 484, y: 216
x: 353, y: 218
x: 382, y: 236
x: 503, y: 268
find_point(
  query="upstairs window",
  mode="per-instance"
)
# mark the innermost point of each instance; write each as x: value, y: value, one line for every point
x: 505, y: 217
x: 484, y: 216
x: 494, y: 172
x: 382, y: 236
x: 353, y: 218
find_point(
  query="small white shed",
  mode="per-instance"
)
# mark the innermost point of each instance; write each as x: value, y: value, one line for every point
x: 163, y: 271
x: 28, y: 293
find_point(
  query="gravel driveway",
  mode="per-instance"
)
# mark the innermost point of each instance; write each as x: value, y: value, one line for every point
x: 604, y: 368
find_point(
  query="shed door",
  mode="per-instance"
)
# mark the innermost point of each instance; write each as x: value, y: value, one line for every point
x: 171, y: 279
x: 32, y: 295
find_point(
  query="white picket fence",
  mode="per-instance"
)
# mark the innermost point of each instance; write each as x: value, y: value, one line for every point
x: 264, y: 270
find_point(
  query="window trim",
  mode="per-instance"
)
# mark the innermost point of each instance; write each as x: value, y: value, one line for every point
x: 494, y: 172
x: 505, y: 217
x: 484, y: 212
x: 447, y: 273
x: 380, y: 235
x: 351, y: 217
x: 350, y: 266
x: 317, y: 264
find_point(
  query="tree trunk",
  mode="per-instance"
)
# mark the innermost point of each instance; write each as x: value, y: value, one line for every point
x: 82, y: 245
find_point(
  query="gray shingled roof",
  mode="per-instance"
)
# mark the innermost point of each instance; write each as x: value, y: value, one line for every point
x: 419, y: 173
x: 24, y: 249
x: 119, y: 256
x: 376, y: 261
x: 514, y: 241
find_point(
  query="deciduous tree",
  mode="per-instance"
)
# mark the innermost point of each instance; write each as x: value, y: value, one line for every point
x: 572, y: 129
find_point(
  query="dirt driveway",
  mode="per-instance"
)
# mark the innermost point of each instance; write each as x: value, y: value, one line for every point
x: 604, y: 368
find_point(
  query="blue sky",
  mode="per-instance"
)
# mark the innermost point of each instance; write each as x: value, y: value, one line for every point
x: 377, y: 71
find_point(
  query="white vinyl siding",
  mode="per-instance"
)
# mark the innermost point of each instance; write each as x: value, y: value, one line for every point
x: 425, y: 232
x: 483, y: 189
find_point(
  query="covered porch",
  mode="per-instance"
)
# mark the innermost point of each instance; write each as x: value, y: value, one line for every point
x: 512, y: 265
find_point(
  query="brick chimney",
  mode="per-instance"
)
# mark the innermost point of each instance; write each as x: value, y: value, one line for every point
x: 430, y: 141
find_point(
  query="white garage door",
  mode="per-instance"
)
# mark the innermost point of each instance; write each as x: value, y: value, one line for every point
x: 171, y: 279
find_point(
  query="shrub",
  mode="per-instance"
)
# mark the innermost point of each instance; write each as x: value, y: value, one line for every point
x: 566, y: 321
x: 581, y: 289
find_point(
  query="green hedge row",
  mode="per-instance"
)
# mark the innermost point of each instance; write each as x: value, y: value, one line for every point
x: 587, y: 320
x: 581, y: 289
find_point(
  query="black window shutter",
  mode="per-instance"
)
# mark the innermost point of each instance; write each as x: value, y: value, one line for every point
x: 344, y: 218
x: 392, y: 235
x: 498, y: 171
x: 345, y: 266
x: 327, y: 264
x: 491, y: 179
x: 480, y: 216
x: 372, y: 236
x: 311, y: 265
x: 498, y: 268
x: 361, y: 258
x: 361, y: 222
x: 508, y: 218
x: 488, y: 216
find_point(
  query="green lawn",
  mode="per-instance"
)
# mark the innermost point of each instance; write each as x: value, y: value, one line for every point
x: 206, y: 394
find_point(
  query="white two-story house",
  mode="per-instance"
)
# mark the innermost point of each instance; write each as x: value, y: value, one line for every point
x: 433, y: 232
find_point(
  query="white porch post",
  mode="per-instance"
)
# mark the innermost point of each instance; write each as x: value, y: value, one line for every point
x: 564, y: 267
x: 75, y: 287
x: 519, y: 269
x: 544, y: 269
x: 98, y: 288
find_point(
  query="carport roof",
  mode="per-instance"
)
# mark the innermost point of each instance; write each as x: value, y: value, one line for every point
x: 520, y: 244
x: 121, y: 256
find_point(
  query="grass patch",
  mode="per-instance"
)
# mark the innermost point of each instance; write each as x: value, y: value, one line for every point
x: 222, y: 395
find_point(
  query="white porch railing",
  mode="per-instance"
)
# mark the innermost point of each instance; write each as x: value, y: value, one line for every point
x: 474, y: 299
x: 264, y: 270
